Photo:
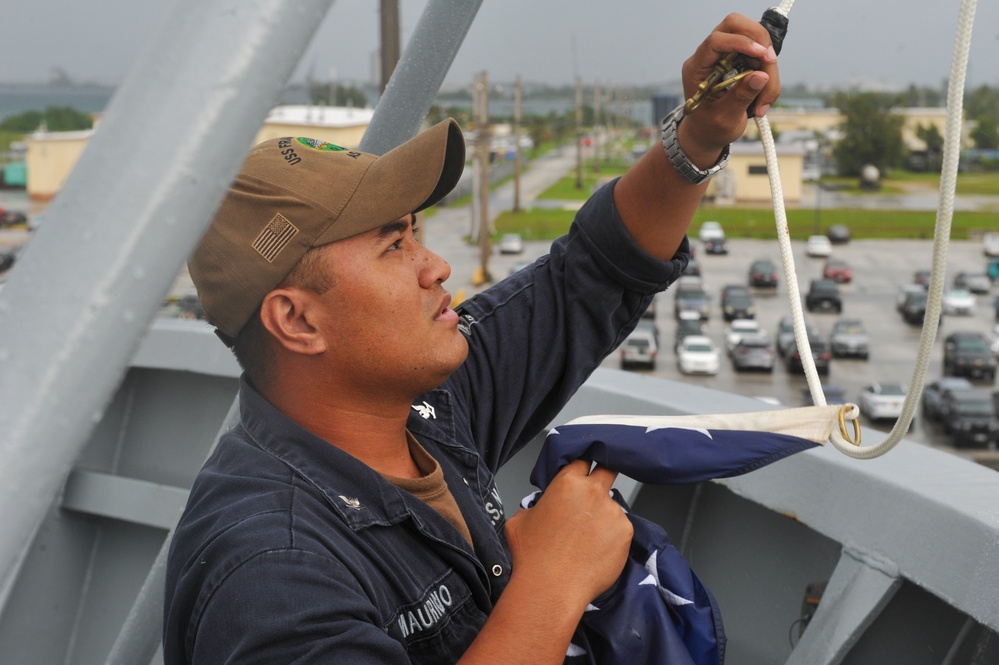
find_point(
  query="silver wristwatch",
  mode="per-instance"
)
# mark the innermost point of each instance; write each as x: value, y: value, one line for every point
x: 678, y: 158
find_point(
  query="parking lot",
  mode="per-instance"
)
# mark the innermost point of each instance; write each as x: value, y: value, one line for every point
x: 880, y: 267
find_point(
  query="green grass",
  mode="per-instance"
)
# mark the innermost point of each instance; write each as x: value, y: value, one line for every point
x: 565, y: 189
x: 548, y: 224
x: 900, y: 182
x: 758, y: 221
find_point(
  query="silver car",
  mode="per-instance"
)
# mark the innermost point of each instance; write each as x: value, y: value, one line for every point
x: 882, y: 401
x: 850, y: 339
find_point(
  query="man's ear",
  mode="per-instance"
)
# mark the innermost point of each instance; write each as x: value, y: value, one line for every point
x: 288, y: 316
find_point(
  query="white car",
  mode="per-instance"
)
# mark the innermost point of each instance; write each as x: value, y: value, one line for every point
x: 882, y: 401
x: 740, y: 328
x: 511, y: 243
x: 818, y: 246
x: 710, y: 230
x: 697, y: 355
x: 990, y: 243
x: 959, y: 301
x: 639, y: 348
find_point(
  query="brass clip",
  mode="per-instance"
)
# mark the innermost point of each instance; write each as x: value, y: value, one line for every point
x: 727, y: 72
x: 842, y: 427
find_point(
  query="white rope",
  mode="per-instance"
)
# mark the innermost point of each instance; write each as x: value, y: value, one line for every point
x: 948, y: 183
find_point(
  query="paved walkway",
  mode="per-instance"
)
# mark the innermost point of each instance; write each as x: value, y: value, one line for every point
x: 447, y: 229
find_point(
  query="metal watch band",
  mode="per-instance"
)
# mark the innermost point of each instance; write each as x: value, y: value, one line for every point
x: 679, y: 159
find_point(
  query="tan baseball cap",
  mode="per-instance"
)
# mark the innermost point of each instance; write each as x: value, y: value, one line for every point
x: 296, y: 193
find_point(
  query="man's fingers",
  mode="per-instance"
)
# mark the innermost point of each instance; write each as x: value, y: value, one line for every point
x: 604, y: 476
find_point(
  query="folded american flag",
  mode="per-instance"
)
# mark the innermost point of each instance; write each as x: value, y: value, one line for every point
x: 658, y: 611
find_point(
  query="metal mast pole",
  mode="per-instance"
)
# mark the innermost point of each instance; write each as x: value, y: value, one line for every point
x: 483, y: 151
x: 516, y: 143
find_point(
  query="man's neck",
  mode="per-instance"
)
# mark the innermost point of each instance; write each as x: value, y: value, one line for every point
x: 373, y: 432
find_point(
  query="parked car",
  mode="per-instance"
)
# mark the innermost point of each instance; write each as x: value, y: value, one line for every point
x: 691, y: 297
x: 967, y: 353
x: 970, y: 419
x: 763, y: 273
x: 958, y: 302
x: 8, y: 257
x: 820, y: 354
x: 12, y: 217
x: 688, y: 324
x: 710, y: 229
x: 990, y: 243
x: 974, y: 281
x: 740, y: 328
x: 650, y: 311
x: 649, y: 326
x: 818, y: 246
x: 882, y: 401
x: 921, y: 277
x: 936, y: 394
x: 190, y: 306
x: 838, y: 234
x: 838, y: 271
x: 639, y: 348
x: 693, y: 268
x: 753, y: 352
x: 823, y: 295
x: 913, y: 309
x: 992, y: 269
x: 785, y: 333
x: 697, y: 355
x: 518, y: 266
x: 832, y: 394
x: 905, y: 289
x: 849, y: 338
x: 716, y: 246
x: 511, y: 243
x: 737, y: 303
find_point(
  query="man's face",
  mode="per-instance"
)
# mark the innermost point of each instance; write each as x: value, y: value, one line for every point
x: 387, y: 317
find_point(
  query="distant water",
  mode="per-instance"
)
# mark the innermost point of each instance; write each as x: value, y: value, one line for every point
x: 18, y: 98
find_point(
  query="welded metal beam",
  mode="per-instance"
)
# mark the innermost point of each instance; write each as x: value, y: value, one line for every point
x: 419, y: 74
x: 115, y: 238
x: 859, y: 589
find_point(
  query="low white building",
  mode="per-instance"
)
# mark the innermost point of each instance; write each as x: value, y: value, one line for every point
x: 51, y: 156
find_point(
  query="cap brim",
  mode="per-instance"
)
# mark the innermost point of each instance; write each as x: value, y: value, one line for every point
x: 408, y: 178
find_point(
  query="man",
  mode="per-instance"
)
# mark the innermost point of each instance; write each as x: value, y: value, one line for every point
x: 351, y: 516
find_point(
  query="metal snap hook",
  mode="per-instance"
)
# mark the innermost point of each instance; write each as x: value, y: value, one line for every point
x: 842, y: 427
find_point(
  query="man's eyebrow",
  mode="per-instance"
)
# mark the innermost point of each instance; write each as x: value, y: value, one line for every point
x: 392, y: 228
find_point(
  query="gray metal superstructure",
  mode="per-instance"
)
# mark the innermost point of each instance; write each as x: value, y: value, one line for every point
x: 106, y: 418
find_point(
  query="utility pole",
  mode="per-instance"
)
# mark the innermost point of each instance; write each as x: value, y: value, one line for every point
x: 482, y: 149
x: 390, y: 39
x: 596, y: 127
x: 516, y: 143
x: 579, y: 133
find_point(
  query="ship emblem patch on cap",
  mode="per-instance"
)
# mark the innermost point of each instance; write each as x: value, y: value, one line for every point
x: 275, y: 237
x: 316, y: 144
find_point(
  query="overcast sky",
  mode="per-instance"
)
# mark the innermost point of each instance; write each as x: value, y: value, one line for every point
x: 830, y: 42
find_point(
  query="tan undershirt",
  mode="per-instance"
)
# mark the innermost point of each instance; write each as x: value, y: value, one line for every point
x: 430, y: 487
